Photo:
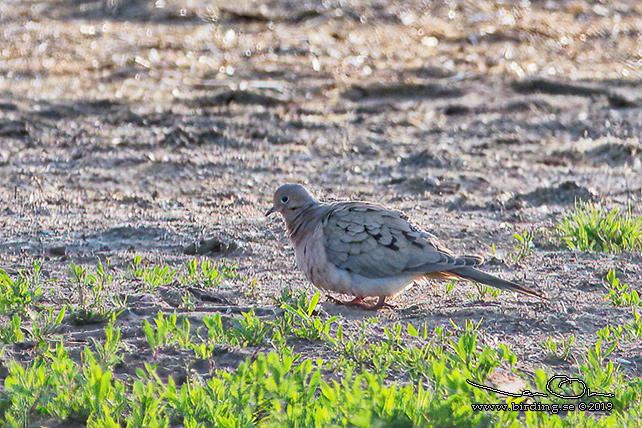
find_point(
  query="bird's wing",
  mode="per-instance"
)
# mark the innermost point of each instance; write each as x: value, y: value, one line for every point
x: 376, y: 242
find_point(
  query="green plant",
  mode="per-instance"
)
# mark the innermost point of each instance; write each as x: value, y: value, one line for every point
x: 215, y: 331
x: 108, y: 354
x: 152, y: 277
x: 11, y: 331
x: 612, y: 333
x: 559, y: 348
x: 27, y: 390
x: 151, y: 410
x: 506, y: 354
x: 45, y: 325
x: 295, y: 298
x: 248, y: 331
x: 634, y: 327
x: 160, y: 335
x: 524, y: 246
x: 631, y: 331
x: 62, y: 372
x: 206, y: 274
x: 301, y: 323
x: 362, y: 371
x: 620, y: 294
x: 450, y: 286
x: 82, y: 281
x: 187, y: 301
x: 590, y: 227
x: 91, y: 291
x: 484, y: 290
x: 99, y: 395
x: 273, y: 390
x: 376, y: 357
x: 168, y: 331
x: 202, y: 351
x: 183, y: 333
x: 466, y: 350
x: 16, y: 296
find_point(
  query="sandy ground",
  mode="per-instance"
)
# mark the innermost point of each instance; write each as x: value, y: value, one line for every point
x: 129, y: 128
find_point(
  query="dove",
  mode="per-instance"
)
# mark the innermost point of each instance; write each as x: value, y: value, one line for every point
x: 363, y: 249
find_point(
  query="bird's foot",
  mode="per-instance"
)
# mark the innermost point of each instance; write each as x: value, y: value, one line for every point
x: 359, y: 303
x: 334, y: 300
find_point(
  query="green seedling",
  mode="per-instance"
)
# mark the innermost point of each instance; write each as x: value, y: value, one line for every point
x: 168, y: 331
x: 83, y: 283
x: 379, y: 373
x: 54, y: 388
x: 626, y: 333
x: 17, y: 296
x: 27, y: 388
x: 151, y: 411
x: 215, y: 331
x: 590, y: 227
x: 95, y: 306
x: 206, y: 274
x: 99, y: 394
x: 525, y: 246
x: 484, y: 291
x: 45, y: 325
x: 187, y: 302
x: 108, y: 354
x: 450, y: 286
x: 620, y: 294
x: 294, y: 298
x: 161, y: 334
x: 303, y: 324
x: 203, y: 351
x: 183, y: 333
x: 480, y: 362
x: 634, y: 328
x: 506, y: 354
x: 12, y: 330
x: 611, y: 333
x: 152, y: 277
x: 249, y: 331
x: 413, y: 332
x: 597, y: 372
x: 559, y: 348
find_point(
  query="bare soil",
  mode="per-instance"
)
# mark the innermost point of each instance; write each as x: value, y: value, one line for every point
x: 129, y: 128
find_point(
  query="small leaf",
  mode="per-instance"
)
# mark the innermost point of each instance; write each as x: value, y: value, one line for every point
x: 412, y: 331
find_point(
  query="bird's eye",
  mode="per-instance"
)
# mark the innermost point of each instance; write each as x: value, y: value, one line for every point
x: 285, y: 199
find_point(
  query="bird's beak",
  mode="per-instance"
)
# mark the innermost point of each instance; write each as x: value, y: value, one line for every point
x: 270, y: 211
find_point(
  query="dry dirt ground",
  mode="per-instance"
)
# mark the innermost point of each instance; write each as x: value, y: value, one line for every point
x: 141, y: 127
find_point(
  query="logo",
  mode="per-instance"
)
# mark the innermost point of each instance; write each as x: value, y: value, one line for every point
x: 554, y: 388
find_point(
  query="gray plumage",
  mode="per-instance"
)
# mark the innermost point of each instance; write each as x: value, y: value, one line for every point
x: 364, y: 249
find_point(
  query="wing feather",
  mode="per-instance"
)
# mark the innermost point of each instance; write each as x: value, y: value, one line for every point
x: 375, y: 242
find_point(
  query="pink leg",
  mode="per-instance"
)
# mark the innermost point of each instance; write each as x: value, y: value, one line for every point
x: 380, y: 303
x: 358, y: 302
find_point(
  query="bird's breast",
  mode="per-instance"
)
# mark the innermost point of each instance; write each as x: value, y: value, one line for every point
x: 312, y: 259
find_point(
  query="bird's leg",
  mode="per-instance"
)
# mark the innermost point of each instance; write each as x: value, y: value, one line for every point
x: 334, y: 300
x: 357, y: 301
x: 380, y: 303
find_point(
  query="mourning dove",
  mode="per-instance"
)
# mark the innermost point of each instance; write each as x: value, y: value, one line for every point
x: 363, y: 249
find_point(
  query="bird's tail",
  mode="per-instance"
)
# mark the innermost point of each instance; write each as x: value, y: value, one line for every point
x: 485, y: 278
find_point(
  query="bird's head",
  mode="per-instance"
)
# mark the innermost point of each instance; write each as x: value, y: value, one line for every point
x: 289, y: 199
